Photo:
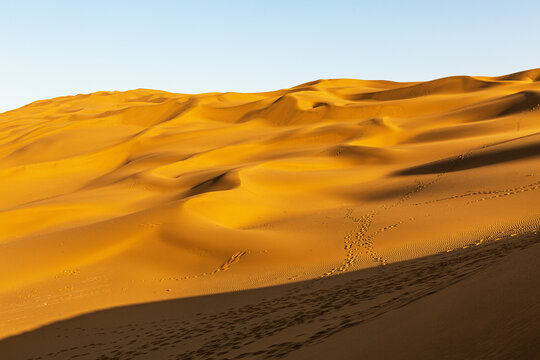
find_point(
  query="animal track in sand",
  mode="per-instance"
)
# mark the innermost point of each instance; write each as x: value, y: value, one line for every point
x: 233, y: 259
x: 67, y: 273
x: 515, y: 230
x: 358, y: 240
x: 151, y: 225
x: 494, y: 194
x: 507, y: 192
x: 355, y: 240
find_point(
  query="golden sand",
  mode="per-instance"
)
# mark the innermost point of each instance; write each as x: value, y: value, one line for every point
x: 117, y: 198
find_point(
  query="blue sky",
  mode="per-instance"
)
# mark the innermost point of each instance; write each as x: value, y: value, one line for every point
x: 55, y: 48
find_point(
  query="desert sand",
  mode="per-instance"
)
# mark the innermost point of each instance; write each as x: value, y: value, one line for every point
x: 335, y: 219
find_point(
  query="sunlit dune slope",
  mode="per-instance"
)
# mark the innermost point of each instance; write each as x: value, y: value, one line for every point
x: 114, y: 198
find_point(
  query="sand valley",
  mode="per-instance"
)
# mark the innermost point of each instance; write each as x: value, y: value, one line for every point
x: 346, y: 217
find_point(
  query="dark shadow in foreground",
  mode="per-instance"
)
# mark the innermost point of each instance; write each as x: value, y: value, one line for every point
x: 480, y: 302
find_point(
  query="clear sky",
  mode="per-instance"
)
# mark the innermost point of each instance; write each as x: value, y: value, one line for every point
x: 54, y: 48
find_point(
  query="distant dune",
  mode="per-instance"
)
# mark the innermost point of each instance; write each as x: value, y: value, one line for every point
x: 120, y: 198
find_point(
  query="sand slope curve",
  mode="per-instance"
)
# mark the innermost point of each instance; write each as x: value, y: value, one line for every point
x: 114, y: 198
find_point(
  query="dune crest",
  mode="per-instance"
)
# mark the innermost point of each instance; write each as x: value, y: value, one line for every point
x: 113, y: 198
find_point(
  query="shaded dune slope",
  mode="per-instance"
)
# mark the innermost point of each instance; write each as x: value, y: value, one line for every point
x: 415, y: 309
x: 114, y: 198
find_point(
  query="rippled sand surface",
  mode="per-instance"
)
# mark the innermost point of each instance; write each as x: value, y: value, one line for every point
x: 119, y: 198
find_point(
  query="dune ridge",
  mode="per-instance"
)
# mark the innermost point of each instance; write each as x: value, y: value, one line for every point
x: 115, y: 198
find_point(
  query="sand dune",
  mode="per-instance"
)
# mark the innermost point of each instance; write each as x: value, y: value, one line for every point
x: 117, y: 198
x: 474, y: 303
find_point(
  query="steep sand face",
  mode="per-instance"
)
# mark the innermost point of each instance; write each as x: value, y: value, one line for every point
x: 115, y: 198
